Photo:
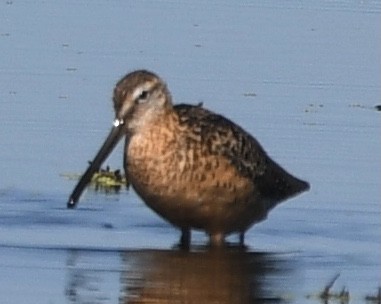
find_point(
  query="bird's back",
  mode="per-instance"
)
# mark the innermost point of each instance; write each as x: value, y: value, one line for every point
x: 224, y: 138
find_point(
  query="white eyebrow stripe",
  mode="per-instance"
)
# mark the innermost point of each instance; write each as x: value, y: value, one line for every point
x: 138, y: 91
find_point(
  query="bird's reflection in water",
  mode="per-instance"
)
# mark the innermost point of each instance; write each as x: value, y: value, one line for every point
x: 229, y: 275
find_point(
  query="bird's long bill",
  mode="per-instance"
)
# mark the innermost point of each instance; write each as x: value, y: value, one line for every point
x: 111, y: 141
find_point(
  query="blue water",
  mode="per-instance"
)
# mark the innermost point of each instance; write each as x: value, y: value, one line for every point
x: 302, y: 76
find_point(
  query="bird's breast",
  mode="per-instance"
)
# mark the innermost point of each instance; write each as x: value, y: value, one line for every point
x: 162, y: 164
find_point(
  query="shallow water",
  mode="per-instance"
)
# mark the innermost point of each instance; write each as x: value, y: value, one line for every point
x: 302, y: 76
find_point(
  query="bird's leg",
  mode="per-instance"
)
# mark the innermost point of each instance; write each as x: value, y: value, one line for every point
x: 185, y: 238
x: 242, y: 238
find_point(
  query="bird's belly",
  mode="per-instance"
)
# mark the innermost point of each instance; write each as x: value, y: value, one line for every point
x: 210, y: 195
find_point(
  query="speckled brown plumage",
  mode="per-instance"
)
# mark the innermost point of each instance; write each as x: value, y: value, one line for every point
x: 195, y: 168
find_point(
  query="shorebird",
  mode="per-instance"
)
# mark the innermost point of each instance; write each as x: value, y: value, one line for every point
x: 194, y: 168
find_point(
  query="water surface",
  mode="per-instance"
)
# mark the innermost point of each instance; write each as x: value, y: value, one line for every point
x: 303, y: 77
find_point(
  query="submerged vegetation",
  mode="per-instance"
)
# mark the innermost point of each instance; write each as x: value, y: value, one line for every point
x: 105, y: 180
x: 328, y: 296
x: 374, y: 299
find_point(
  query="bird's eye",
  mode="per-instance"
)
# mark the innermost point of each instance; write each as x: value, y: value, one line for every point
x: 142, y: 97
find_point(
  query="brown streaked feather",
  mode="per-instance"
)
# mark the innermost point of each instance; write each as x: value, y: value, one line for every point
x: 224, y: 138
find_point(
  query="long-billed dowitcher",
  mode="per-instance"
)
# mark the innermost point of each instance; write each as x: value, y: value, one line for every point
x: 195, y: 168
